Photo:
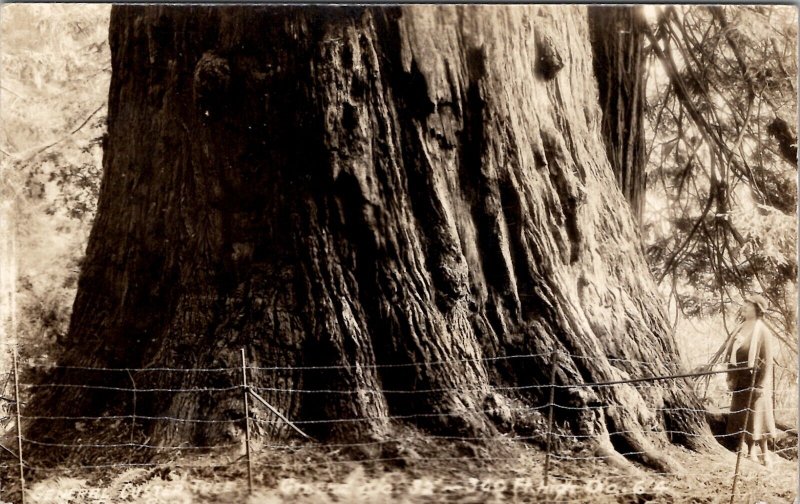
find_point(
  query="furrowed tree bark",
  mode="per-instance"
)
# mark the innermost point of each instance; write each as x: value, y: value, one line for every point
x: 350, y: 188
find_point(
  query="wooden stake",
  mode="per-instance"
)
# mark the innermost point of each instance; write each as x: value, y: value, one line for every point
x: 19, y: 429
x: 9, y: 450
x: 247, y: 425
x: 553, y: 363
x: 741, y: 436
x: 773, y: 404
x: 279, y: 415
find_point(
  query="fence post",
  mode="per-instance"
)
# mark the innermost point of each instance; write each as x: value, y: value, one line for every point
x: 247, y: 425
x: 773, y: 404
x: 741, y: 436
x: 19, y: 428
x: 553, y: 363
x: 133, y: 417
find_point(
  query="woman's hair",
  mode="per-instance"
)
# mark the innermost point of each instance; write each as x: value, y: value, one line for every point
x: 759, y: 303
x: 757, y: 307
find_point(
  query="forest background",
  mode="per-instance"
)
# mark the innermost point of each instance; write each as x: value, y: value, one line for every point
x: 718, y: 219
x: 735, y: 68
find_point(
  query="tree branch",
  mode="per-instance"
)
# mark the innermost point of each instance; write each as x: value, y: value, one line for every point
x: 679, y: 249
x: 42, y: 149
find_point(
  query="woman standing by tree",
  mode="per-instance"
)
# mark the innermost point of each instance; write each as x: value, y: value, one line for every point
x: 756, y: 349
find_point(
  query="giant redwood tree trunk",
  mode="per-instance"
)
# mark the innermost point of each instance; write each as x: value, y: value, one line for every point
x: 352, y: 188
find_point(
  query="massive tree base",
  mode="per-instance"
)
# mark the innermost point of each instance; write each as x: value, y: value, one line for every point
x: 406, y: 199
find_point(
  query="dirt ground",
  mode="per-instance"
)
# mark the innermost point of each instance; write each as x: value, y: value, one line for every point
x: 417, y: 472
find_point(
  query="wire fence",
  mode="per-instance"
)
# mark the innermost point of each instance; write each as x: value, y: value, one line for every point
x: 245, y: 384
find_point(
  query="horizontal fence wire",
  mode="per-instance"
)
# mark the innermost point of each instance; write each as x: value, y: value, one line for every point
x: 640, y: 382
x: 229, y: 449
x: 129, y: 445
x: 355, y: 419
x: 498, y: 388
x: 237, y: 369
x: 458, y: 412
x: 355, y: 391
x: 129, y: 370
x: 129, y: 389
x: 131, y: 465
x: 137, y: 417
x: 300, y: 368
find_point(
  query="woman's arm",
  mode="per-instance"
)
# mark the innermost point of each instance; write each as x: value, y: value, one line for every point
x: 767, y: 353
x: 755, y: 343
x: 730, y: 354
x: 761, y: 354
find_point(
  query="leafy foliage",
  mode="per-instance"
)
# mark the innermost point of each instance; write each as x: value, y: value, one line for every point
x: 55, y: 76
x: 720, y: 221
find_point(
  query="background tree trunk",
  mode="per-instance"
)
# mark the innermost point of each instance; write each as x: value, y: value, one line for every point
x: 366, y: 186
x: 619, y: 63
